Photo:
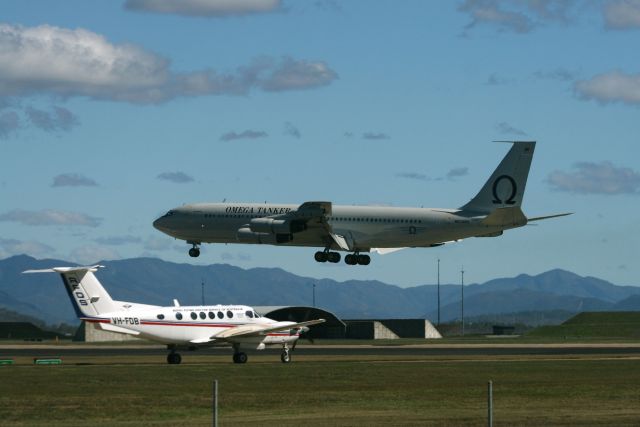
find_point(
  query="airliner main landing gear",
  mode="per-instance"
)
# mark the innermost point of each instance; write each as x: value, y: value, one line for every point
x: 285, y: 356
x: 324, y: 256
x: 353, y: 259
x: 194, y: 252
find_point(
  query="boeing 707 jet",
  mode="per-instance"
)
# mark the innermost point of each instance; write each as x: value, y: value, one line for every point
x: 360, y: 229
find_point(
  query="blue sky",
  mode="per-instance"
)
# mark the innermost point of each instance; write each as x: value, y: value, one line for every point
x: 112, y: 112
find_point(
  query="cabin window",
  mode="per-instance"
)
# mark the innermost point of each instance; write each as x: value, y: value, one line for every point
x: 249, y: 314
x: 220, y: 315
x: 203, y: 315
x: 194, y: 316
x: 160, y: 316
x: 212, y: 315
x: 229, y: 314
x: 179, y: 316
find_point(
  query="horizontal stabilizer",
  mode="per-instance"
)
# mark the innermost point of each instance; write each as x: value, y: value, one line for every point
x: 112, y: 328
x: 66, y: 269
x: 505, y: 217
x: 539, y: 218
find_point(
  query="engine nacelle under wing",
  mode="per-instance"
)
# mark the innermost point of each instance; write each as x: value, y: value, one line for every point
x: 276, y: 226
x: 246, y: 235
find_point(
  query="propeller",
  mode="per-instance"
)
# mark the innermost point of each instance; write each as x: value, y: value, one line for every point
x: 304, y: 332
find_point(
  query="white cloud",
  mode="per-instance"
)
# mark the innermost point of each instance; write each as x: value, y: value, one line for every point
x: 457, y: 172
x: 177, y: 177
x: 596, y: 178
x: 50, y: 217
x: 9, y: 123
x: 209, y: 8
x: 520, y: 16
x: 622, y: 14
x: 413, y: 175
x: 17, y: 247
x: 59, y: 119
x: 375, y: 136
x: 70, y: 63
x: 247, y: 134
x: 291, y: 130
x: 506, y: 129
x: 89, y: 254
x: 611, y: 87
x: 158, y: 244
x: 118, y: 240
x: 72, y: 180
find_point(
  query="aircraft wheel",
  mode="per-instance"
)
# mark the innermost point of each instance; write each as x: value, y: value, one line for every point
x: 333, y: 257
x: 174, y: 359
x: 350, y: 259
x: 285, y: 357
x: 194, y: 252
x: 321, y: 256
x: 363, y: 259
x: 240, y: 358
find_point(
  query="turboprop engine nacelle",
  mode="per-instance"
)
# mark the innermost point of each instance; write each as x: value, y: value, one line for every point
x: 276, y: 226
x: 245, y: 235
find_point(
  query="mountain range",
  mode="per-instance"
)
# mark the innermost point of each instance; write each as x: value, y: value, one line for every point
x: 153, y: 281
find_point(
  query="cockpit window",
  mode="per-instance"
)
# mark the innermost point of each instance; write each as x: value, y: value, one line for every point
x: 169, y: 213
x: 256, y: 315
x: 249, y: 313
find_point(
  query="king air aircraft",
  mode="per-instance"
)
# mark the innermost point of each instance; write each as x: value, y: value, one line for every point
x: 360, y: 229
x: 178, y: 326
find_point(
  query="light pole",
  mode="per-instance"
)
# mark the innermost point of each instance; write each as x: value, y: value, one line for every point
x: 202, y: 283
x: 314, y: 295
x: 462, y: 298
x: 438, y: 291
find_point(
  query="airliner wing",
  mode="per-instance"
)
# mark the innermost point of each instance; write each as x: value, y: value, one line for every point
x: 261, y: 330
x: 315, y: 214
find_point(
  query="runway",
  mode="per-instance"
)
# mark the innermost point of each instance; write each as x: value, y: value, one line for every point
x: 425, y: 350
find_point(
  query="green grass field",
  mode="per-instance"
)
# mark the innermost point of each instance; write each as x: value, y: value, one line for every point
x: 321, y: 391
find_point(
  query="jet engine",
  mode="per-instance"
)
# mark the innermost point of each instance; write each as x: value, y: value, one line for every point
x: 276, y: 226
x: 246, y: 235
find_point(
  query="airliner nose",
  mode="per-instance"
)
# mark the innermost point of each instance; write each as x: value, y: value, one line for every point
x: 160, y: 224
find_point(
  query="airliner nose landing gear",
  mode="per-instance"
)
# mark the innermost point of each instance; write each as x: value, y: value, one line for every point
x: 194, y: 252
x: 324, y: 256
x: 353, y: 259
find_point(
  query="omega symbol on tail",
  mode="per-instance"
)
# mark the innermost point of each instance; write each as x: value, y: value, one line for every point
x: 514, y: 188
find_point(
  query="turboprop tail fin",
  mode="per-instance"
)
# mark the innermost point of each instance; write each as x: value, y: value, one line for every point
x: 505, y: 187
x: 87, y: 295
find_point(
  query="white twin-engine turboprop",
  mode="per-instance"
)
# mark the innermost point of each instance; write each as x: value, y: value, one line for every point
x: 177, y: 326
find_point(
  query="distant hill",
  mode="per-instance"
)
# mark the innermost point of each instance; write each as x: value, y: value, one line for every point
x: 153, y: 281
x: 594, y: 325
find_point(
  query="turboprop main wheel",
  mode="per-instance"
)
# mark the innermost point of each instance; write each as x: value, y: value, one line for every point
x: 240, y: 358
x: 285, y: 357
x: 174, y: 359
x: 194, y: 252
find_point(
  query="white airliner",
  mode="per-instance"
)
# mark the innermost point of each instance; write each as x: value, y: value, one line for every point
x: 187, y: 327
x: 360, y: 229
